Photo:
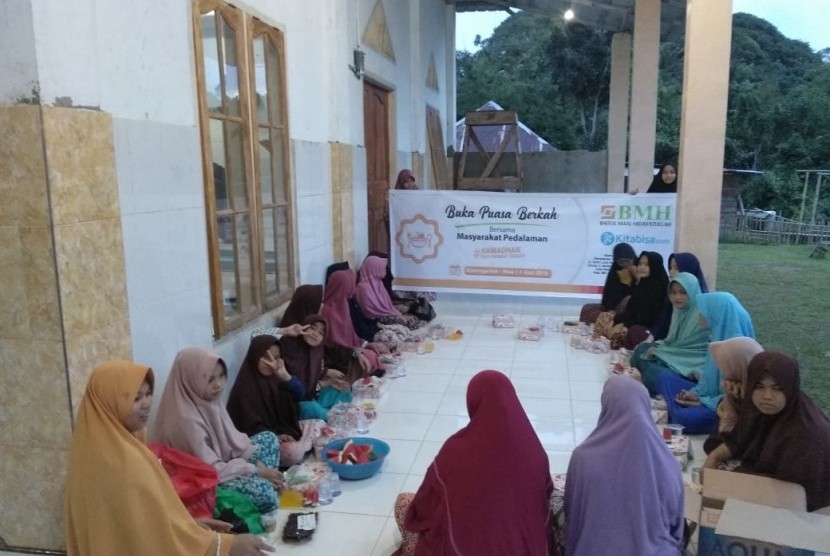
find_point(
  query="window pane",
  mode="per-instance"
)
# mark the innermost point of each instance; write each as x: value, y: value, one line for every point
x: 265, y: 165
x: 226, y: 147
x: 220, y: 186
x: 261, y: 86
x: 243, y: 262
x: 213, y: 86
x: 231, y: 70
x: 279, y: 186
x: 273, y: 75
x: 283, y: 267
x: 227, y: 265
x: 269, y: 252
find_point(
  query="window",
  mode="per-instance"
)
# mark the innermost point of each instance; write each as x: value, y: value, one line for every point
x: 244, y: 130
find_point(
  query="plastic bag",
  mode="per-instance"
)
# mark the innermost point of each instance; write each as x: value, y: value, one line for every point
x: 194, y: 480
x: 240, y: 505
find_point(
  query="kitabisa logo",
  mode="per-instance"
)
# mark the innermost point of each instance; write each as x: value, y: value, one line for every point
x: 636, y: 215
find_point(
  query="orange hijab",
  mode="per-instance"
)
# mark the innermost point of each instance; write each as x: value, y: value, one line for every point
x: 119, y: 500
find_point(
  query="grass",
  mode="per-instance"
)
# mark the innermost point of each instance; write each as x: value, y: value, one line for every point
x: 788, y: 295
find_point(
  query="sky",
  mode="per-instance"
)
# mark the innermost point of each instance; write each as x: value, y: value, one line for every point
x: 804, y: 20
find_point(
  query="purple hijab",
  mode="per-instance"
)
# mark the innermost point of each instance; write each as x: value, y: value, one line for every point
x: 371, y: 294
x: 624, y: 487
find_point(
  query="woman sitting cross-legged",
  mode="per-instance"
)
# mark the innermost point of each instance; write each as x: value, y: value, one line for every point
x: 119, y: 499
x: 693, y: 401
x: 781, y: 433
x: 683, y: 351
x: 265, y: 397
x: 624, y: 490
x: 488, y: 489
x: 192, y: 419
x: 618, y: 285
x: 374, y: 300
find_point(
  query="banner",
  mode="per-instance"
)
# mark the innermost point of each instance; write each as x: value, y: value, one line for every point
x: 520, y: 243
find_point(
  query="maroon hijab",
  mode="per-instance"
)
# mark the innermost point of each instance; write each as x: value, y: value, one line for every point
x: 339, y: 289
x: 305, y: 301
x: 488, y: 489
x: 259, y: 403
x: 794, y: 444
x: 404, y: 176
x: 302, y: 360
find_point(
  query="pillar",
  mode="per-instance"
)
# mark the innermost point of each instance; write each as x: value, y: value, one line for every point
x: 644, y: 93
x: 619, y: 98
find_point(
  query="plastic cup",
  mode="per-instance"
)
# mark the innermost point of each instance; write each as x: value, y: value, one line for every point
x: 325, y: 494
x: 676, y: 430
x: 362, y: 423
x: 667, y: 433
x: 334, y: 481
x: 696, y: 475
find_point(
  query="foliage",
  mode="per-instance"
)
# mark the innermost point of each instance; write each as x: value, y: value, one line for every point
x: 788, y: 296
x: 555, y: 75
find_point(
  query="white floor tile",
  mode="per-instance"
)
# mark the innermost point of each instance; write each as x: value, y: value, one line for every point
x: 345, y: 534
x: 401, y: 426
x: 444, y: 426
x: 425, y: 456
x: 373, y: 496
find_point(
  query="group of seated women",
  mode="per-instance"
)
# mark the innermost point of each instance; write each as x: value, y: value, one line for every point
x: 290, y: 377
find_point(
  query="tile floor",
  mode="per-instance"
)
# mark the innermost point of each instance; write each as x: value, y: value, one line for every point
x: 558, y: 386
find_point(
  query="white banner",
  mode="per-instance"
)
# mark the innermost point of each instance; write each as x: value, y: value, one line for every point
x: 520, y: 243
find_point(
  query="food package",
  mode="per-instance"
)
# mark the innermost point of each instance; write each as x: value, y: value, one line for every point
x: 532, y: 333
x: 504, y: 321
x: 343, y: 417
x: 370, y: 387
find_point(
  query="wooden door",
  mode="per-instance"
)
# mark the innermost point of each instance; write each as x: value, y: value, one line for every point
x: 376, y: 130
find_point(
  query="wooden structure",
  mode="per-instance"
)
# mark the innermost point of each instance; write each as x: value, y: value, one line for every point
x: 498, y: 172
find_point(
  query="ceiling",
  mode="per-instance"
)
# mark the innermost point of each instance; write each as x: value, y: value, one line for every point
x: 611, y: 15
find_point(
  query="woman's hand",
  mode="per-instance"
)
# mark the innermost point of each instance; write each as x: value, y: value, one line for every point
x: 687, y: 398
x: 334, y: 374
x: 249, y: 545
x: 339, y: 384
x: 733, y: 388
x: 271, y: 475
x: 378, y: 347
x: 650, y: 353
x: 364, y: 363
x: 214, y: 524
x: 293, y: 330
x: 285, y: 438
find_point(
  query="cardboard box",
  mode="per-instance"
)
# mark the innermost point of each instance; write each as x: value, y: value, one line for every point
x: 726, y: 493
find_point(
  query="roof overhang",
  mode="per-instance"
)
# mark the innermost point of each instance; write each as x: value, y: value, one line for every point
x: 611, y: 15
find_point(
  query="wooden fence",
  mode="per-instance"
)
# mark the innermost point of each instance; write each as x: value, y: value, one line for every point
x: 773, y: 229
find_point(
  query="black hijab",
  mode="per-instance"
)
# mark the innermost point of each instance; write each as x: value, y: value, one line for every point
x: 659, y: 186
x: 649, y: 294
x: 614, y: 290
x: 259, y: 403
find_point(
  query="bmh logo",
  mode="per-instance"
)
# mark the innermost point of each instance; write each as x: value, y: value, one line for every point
x: 607, y: 238
x: 636, y: 212
x: 608, y: 211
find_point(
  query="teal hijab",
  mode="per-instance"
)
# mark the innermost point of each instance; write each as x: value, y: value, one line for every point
x: 685, y: 347
x: 726, y: 318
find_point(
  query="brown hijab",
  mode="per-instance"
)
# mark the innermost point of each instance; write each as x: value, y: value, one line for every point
x: 794, y: 444
x: 305, y: 301
x: 302, y: 360
x: 260, y: 403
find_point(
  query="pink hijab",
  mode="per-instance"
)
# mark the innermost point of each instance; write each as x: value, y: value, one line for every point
x: 371, y: 294
x: 339, y: 289
x: 488, y: 489
x: 732, y: 358
x: 190, y: 423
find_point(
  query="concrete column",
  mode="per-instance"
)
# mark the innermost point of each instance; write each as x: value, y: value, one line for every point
x: 620, y: 95
x: 644, y: 93
x: 703, y: 129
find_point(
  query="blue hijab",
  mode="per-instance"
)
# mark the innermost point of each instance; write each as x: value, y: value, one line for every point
x: 726, y: 318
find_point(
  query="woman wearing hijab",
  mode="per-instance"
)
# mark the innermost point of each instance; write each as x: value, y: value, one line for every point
x: 665, y: 181
x: 693, y: 401
x: 339, y: 330
x: 306, y: 300
x: 732, y: 357
x: 618, y: 285
x: 115, y: 483
x: 630, y: 327
x: 624, y: 491
x: 191, y: 419
x: 372, y: 298
x: 782, y: 434
x: 265, y: 397
x: 678, y: 262
x: 683, y: 350
x: 487, y: 490
x: 305, y: 359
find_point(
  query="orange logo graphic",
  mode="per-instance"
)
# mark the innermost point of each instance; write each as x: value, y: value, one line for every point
x: 418, y: 238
